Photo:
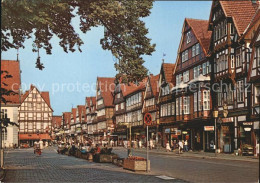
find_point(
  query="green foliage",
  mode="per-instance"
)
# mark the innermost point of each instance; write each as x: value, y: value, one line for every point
x: 3, y: 91
x: 125, y: 33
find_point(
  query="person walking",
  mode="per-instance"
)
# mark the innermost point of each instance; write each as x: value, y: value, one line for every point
x: 180, y: 146
x: 168, y: 148
x: 186, y: 146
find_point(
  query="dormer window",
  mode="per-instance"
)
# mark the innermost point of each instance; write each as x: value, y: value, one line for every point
x: 188, y: 35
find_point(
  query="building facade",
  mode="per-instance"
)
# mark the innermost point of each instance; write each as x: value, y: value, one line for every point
x: 35, y: 117
x: 9, y: 108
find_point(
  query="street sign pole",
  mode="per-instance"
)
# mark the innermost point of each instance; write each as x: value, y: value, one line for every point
x: 147, y: 150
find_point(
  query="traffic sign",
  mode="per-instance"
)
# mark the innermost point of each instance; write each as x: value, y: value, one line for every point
x: 148, y: 119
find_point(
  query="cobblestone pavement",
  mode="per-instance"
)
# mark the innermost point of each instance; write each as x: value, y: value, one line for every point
x: 24, y: 166
x: 196, y: 169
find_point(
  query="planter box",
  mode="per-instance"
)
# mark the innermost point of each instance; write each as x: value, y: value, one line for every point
x: 135, y: 165
x: 103, y: 158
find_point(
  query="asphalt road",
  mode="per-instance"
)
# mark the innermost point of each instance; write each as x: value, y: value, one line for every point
x: 198, y: 169
x: 24, y: 166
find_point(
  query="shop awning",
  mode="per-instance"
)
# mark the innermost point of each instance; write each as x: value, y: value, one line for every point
x: 34, y: 136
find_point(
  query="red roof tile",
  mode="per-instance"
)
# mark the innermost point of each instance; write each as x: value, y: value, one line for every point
x: 13, y: 83
x: 135, y: 88
x: 200, y: 29
x: 154, y: 82
x: 168, y: 70
x: 67, y: 117
x: 107, y: 87
x: 56, y: 120
x: 73, y: 112
x: 81, y: 110
x: 254, y: 22
x: 241, y: 12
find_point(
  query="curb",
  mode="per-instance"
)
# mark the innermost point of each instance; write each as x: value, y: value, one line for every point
x: 254, y: 160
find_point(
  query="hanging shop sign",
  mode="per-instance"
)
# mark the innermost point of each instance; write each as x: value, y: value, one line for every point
x: 167, y: 130
x: 225, y: 110
x: 208, y: 128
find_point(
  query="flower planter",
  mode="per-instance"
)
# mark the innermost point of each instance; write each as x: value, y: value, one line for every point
x: 135, y: 165
x: 103, y: 158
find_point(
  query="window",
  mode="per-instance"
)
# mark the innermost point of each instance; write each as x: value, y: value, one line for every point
x: 230, y: 95
x: 3, y: 113
x: 118, y: 95
x: 195, y: 102
x: 34, y: 95
x: 186, y: 76
x: 188, y: 37
x: 101, y: 112
x: 116, y: 107
x: 197, y: 48
x: 186, y: 55
x: 30, y: 126
x: 258, y: 56
x: 238, y: 58
x: 240, y: 91
x: 193, y: 54
x: 122, y: 106
x: 30, y: 105
x: 173, y: 108
x: 199, y: 101
x: 183, y: 57
x: 219, y: 98
x: 178, y: 79
x: 38, y: 105
x: 100, y: 102
x: 196, y: 71
x: 186, y: 105
x: 165, y: 90
x: 204, y: 68
x: 206, y: 100
x: 38, y: 126
x: 180, y: 105
x: 177, y: 106
x: 257, y: 94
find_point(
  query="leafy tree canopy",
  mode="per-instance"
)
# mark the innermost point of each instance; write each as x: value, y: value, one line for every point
x: 125, y: 33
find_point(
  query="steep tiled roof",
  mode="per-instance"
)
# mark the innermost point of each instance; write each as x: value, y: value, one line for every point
x: 200, y: 29
x: 88, y: 101
x: 81, y: 110
x: 107, y: 87
x: 73, y: 112
x: 44, y: 95
x: 13, y: 83
x: 154, y: 81
x: 168, y: 70
x: 67, y: 117
x: 254, y: 22
x: 140, y: 87
x: 241, y: 12
x: 56, y: 120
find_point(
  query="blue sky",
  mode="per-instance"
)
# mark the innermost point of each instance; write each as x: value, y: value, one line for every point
x: 70, y: 77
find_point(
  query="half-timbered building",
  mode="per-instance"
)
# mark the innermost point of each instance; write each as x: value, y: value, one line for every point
x: 73, y: 120
x: 56, y: 127
x: 104, y: 108
x: 252, y: 37
x: 134, y: 116
x: 35, y: 116
x: 9, y: 108
x: 230, y: 58
x: 192, y: 90
x: 80, y: 118
x: 66, y: 120
x: 166, y: 103
x: 150, y: 106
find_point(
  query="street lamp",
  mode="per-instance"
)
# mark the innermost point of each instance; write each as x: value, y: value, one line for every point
x: 215, y: 115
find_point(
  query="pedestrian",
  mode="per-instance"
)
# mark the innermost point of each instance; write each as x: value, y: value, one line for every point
x: 151, y: 144
x: 168, y: 148
x: 186, y: 146
x: 140, y: 144
x: 180, y: 146
x: 41, y: 144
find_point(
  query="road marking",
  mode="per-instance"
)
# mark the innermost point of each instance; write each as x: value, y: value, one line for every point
x: 164, y: 177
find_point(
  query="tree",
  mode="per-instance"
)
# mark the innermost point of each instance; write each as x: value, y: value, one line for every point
x: 125, y: 33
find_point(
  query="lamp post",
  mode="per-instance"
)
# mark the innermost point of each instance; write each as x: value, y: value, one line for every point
x: 215, y: 115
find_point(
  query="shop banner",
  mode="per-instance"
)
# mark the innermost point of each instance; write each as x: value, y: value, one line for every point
x: 208, y: 128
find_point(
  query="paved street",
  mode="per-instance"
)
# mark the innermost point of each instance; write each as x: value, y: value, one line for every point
x: 23, y: 166
x: 195, y: 169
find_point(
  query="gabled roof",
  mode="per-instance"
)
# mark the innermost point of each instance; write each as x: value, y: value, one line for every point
x: 67, y: 117
x: 167, y: 70
x: 88, y: 101
x: 13, y: 83
x: 200, y: 29
x: 107, y: 87
x: 56, y: 120
x: 154, y: 83
x: 138, y: 88
x: 44, y: 95
x: 241, y: 12
x: 81, y: 110
x: 73, y: 112
x: 255, y: 22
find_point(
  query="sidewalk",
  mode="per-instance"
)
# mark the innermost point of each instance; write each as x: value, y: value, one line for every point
x: 196, y: 154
